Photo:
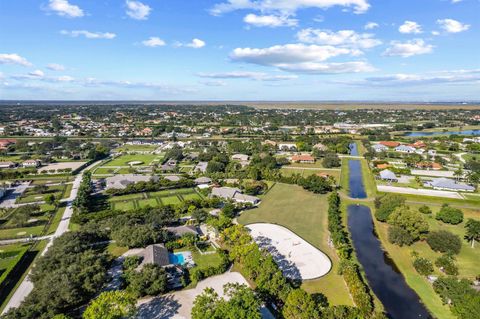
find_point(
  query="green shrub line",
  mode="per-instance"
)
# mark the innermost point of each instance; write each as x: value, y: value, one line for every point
x: 349, y: 269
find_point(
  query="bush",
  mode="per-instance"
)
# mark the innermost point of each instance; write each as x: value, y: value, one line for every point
x: 450, y: 215
x: 423, y: 266
x: 386, y: 205
x: 444, y: 241
x: 425, y: 210
x: 399, y: 236
x: 447, y: 263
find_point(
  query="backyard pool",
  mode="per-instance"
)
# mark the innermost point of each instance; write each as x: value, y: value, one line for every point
x: 177, y: 258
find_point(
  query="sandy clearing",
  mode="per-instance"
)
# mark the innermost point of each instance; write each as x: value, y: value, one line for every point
x: 61, y: 165
x: 297, y: 258
x: 423, y: 192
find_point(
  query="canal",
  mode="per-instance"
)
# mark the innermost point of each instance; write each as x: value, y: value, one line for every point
x: 400, y: 301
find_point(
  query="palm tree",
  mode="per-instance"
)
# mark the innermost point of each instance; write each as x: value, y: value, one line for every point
x: 473, y: 231
x: 458, y: 174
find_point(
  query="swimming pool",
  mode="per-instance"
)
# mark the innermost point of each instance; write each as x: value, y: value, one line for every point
x: 177, y: 259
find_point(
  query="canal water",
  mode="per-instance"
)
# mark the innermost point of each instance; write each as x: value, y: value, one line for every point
x: 420, y: 134
x: 400, y: 301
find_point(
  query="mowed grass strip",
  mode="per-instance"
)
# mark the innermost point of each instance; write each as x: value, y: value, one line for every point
x: 123, y: 160
x: 305, y: 214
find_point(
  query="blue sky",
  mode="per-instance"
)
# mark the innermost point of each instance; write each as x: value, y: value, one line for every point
x: 408, y: 50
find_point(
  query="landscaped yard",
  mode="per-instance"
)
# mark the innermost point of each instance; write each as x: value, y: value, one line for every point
x: 154, y: 199
x: 305, y: 214
x: 32, y: 195
x: 286, y: 171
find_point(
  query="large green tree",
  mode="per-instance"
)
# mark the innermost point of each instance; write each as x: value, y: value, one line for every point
x: 300, y: 305
x: 111, y: 305
x: 472, y: 228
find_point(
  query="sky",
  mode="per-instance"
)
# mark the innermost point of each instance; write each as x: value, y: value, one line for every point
x: 375, y: 50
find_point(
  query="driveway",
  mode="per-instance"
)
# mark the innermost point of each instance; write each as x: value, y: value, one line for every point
x: 178, y: 305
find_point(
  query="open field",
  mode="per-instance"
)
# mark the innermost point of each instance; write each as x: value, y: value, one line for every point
x: 124, y: 160
x: 136, y: 148
x: 305, y: 172
x: 305, y: 214
x: 154, y: 199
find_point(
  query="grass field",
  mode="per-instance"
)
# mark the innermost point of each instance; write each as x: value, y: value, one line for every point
x: 123, y: 160
x: 31, y: 195
x: 10, y: 256
x: 136, y: 148
x: 154, y: 199
x: 305, y: 214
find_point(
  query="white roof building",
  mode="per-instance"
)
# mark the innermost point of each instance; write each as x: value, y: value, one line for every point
x: 449, y: 184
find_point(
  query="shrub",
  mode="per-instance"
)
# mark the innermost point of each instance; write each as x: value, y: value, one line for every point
x: 399, y: 236
x: 386, y: 205
x: 423, y: 266
x: 450, y: 215
x: 447, y: 263
x: 444, y: 241
x: 425, y: 210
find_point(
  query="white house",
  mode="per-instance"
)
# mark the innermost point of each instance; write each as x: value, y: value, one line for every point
x: 234, y: 194
x: 449, y: 185
x: 31, y: 163
x: 379, y: 148
x: 240, y: 157
x: 388, y: 175
x: 287, y: 146
x: 405, y: 149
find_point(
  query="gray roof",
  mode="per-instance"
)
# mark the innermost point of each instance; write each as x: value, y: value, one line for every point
x: 155, y: 254
x: 450, y: 184
x: 379, y: 147
x: 240, y: 157
x: 182, y: 230
x: 203, y: 180
x: 123, y: 180
x: 201, y: 166
x: 246, y: 198
x: 173, y: 178
x: 225, y: 192
x: 388, y: 174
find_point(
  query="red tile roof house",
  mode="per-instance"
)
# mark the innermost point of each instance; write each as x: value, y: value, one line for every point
x: 390, y: 144
x: 303, y: 159
x: 4, y: 143
x: 429, y: 165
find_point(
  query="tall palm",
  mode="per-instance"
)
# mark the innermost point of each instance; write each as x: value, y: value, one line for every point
x: 473, y: 231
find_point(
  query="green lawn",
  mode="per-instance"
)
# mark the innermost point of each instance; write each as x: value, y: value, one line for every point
x: 307, y: 172
x: 153, y: 199
x: 10, y: 256
x: 152, y: 202
x: 104, y: 171
x: 170, y: 200
x: 136, y: 148
x: 305, y: 214
x: 123, y: 160
x: 123, y: 205
x: 21, y: 232
x: 207, y: 260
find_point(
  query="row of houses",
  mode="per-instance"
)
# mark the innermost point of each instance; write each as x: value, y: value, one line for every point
x: 27, y: 164
x: 442, y: 183
x: 415, y: 148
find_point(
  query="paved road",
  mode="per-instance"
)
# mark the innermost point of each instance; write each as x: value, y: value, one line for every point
x: 26, y: 286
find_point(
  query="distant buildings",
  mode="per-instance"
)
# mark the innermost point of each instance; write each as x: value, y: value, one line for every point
x: 31, y: 163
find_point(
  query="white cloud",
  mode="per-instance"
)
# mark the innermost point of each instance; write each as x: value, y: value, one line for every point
x: 410, y: 27
x: 371, y: 26
x: 137, y: 10
x: 288, y: 53
x: 195, y: 44
x: 55, y: 67
x: 258, y: 76
x: 409, y: 48
x: 37, y: 73
x: 328, y: 68
x: 456, y: 1
x: 302, y: 58
x: 452, y: 26
x: 455, y: 76
x: 271, y: 21
x: 287, y: 6
x: 88, y: 34
x: 214, y: 83
x: 347, y: 38
x: 64, y: 78
x: 65, y: 9
x: 13, y: 58
x: 153, y: 42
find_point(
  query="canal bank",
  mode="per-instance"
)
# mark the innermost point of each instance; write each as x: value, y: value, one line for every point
x: 399, y: 300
